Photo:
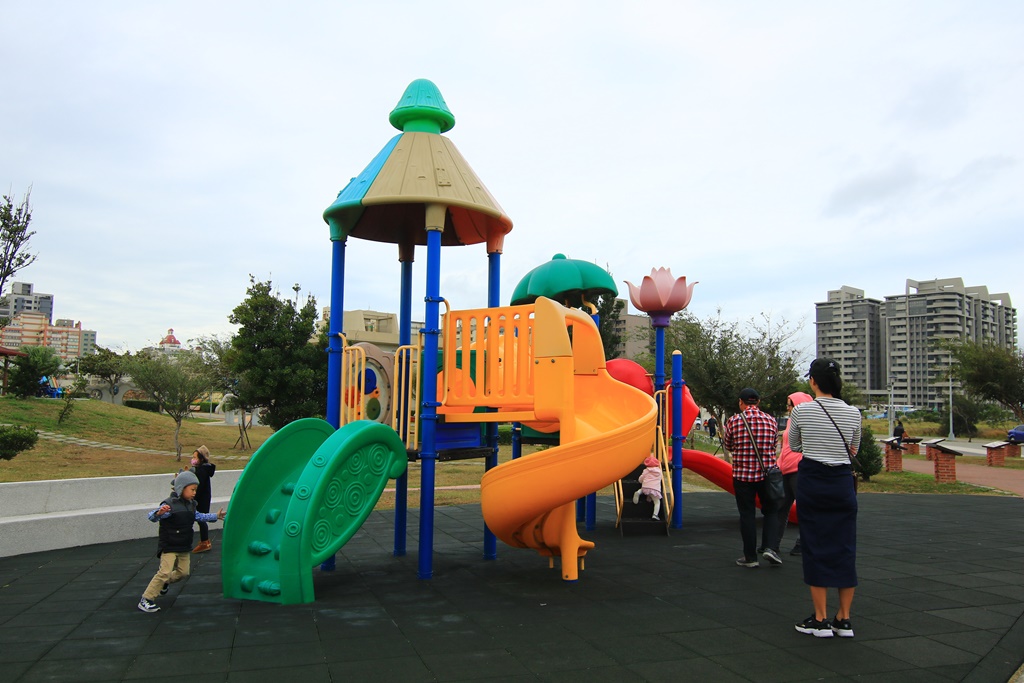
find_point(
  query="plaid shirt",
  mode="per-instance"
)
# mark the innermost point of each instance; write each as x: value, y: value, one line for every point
x: 744, y: 461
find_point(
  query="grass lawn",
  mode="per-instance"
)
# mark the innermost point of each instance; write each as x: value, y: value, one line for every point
x: 98, y: 421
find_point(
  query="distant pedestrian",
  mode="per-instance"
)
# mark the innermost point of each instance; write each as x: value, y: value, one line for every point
x: 899, y: 433
x: 176, y: 516
x: 712, y: 424
x: 827, y: 431
x: 650, y: 484
x: 204, y: 470
x: 750, y: 435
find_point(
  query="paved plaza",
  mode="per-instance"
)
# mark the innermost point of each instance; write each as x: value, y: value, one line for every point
x: 940, y: 599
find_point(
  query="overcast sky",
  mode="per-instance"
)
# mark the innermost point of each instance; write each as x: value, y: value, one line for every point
x: 771, y: 151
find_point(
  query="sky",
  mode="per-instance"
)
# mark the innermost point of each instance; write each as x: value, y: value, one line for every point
x: 770, y: 151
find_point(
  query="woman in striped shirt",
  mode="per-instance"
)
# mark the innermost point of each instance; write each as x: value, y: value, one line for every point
x: 827, y: 430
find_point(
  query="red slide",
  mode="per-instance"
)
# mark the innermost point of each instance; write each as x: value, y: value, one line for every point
x: 718, y: 472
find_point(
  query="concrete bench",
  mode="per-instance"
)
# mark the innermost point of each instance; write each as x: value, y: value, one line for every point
x: 64, y: 513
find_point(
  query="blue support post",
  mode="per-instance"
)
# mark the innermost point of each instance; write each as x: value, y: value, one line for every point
x: 428, y: 412
x: 590, y: 502
x: 517, y: 440
x: 493, y: 301
x: 404, y: 338
x: 659, y: 357
x: 335, y: 327
x: 677, y: 438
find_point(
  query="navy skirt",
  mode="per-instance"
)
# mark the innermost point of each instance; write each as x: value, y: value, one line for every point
x: 826, y: 503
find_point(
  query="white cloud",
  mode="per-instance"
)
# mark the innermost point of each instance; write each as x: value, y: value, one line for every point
x: 771, y: 152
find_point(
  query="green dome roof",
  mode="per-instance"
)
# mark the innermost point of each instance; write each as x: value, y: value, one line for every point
x: 567, y: 281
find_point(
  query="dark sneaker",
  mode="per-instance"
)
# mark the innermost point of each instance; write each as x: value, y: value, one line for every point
x: 148, y: 606
x: 842, y: 628
x: 811, y: 626
x: 771, y: 556
x: 163, y: 591
x: 796, y: 551
x: 744, y: 562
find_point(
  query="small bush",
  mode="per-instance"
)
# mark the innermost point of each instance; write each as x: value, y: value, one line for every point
x: 151, y: 406
x: 14, y: 440
x: 869, y: 454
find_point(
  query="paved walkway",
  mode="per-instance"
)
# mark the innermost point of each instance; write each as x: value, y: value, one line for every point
x: 1000, y: 478
x: 941, y: 598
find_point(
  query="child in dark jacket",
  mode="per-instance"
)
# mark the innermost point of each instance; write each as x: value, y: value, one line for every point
x: 176, y: 515
x: 203, y: 469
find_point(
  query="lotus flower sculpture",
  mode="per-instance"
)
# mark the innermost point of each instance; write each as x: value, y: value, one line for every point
x: 660, y: 295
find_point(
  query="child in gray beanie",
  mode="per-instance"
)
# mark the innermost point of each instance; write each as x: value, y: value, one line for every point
x: 177, y: 516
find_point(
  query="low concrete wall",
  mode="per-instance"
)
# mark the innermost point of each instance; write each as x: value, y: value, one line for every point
x: 64, y: 513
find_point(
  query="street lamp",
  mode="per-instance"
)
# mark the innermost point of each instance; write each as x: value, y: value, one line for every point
x: 889, y: 412
x: 951, y: 402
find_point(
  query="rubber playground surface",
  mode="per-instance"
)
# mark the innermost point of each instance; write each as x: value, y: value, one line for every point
x: 940, y: 599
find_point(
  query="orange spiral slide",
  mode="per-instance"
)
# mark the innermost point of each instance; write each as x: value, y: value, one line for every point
x: 607, y: 428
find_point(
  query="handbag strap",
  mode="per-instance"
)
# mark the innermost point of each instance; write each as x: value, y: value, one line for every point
x: 753, y: 441
x: 849, y: 450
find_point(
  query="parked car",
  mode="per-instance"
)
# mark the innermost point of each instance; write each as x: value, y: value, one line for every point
x: 1016, y: 435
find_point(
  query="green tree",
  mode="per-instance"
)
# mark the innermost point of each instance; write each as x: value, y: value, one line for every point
x: 219, y: 355
x: 721, y: 357
x: 967, y: 413
x: 71, y: 394
x: 107, y: 366
x: 28, y: 371
x: 609, y: 308
x: 14, y: 239
x: 175, y: 382
x: 991, y: 373
x: 869, y: 454
x: 277, y: 366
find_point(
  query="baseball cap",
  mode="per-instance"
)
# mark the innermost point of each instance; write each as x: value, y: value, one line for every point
x: 749, y: 395
x: 823, y: 364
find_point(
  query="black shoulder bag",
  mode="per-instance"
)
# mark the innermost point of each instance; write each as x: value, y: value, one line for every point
x: 849, y: 450
x: 776, y: 492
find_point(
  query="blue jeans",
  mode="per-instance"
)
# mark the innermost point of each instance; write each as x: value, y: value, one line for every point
x: 746, y: 491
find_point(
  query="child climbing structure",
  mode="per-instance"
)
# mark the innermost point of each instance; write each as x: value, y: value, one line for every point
x: 307, y: 490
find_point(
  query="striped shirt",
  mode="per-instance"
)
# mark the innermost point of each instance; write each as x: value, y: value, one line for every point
x: 813, y: 434
x: 735, y: 438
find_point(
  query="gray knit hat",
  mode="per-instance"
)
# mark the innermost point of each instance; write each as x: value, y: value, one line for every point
x: 184, y: 479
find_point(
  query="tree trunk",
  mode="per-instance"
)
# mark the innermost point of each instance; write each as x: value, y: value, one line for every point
x: 177, y: 430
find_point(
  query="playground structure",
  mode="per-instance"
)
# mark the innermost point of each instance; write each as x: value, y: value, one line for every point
x: 440, y: 396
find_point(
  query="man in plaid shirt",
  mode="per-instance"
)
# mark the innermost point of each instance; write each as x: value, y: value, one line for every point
x: 748, y: 478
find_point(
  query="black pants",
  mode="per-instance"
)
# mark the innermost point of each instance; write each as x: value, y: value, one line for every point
x: 789, y: 482
x: 204, y: 528
x: 746, y: 491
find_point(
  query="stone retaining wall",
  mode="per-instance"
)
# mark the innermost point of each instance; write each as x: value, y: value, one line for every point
x: 64, y: 513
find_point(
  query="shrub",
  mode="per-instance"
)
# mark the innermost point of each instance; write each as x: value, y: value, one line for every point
x: 14, y: 440
x: 151, y: 406
x: 869, y: 454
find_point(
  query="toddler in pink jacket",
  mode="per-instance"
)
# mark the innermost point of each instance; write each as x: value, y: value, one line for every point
x: 650, y: 484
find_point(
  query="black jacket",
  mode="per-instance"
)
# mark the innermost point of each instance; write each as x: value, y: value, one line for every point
x: 176, y: 528
x: 203, y: 472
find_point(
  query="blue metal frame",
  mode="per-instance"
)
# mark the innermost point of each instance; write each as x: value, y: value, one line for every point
x: 428, y: 412
x: 677, y: 438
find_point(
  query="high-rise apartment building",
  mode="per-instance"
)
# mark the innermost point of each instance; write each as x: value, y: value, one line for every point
x: 66, y: 337
x: 22, y: 298
x: 929, y: 312
x: 895, y: 344
x: 848, y: 329
x: 633, y: 331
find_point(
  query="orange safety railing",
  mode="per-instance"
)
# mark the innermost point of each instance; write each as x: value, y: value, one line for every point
x: 488, y: 358
x: 353, y: 373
